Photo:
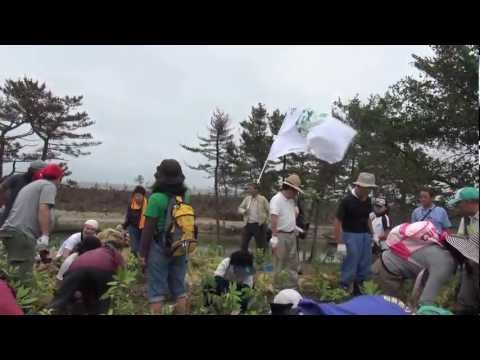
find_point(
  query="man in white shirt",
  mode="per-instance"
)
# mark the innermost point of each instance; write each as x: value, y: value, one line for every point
x: 254, y: 209
x: 90, y: 228
x: 283, y: 214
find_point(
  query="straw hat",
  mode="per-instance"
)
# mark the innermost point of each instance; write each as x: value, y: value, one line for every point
x: 294, y: 182
x: 467, y: 246
x: 365, y: 180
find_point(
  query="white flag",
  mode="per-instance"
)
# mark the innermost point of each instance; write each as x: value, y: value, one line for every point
x: 304, y: 131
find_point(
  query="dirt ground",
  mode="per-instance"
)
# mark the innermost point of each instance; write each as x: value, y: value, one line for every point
x: 66, y: 220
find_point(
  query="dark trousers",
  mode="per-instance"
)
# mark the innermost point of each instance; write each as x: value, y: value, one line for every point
x: 221, y: 287
x: 91, y: 283
x: 258, y: 232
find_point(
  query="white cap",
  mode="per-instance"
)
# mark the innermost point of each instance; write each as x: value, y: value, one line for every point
x: 288, y: 296
x: 92, y: 223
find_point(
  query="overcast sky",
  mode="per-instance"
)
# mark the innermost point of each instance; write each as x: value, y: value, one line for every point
x: 146, y: 100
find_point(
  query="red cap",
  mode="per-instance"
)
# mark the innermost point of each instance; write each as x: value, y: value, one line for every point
x: 53, y: 171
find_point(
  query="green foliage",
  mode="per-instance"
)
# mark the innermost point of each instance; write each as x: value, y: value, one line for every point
x: 329, y: 291
x: 262, y: 258
x: 448, y: 294
x: 119, y: 292
x: 227, y: 303
x: 370, y: 288
x: 32, y: 293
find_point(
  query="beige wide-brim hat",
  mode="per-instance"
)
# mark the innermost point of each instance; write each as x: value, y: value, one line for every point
x: 365, y: 180
x: 294, y: 182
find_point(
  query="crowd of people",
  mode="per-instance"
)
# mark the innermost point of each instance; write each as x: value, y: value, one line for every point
x: 427, y: 250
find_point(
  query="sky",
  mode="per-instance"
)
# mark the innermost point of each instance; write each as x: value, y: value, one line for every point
x: 147, y: 100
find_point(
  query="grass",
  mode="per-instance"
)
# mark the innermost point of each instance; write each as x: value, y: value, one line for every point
x: 127, y: 292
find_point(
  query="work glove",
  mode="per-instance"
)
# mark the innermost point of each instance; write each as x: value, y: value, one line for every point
x: 42, y: 242
x: 274, y: 242
x: 341, y: 250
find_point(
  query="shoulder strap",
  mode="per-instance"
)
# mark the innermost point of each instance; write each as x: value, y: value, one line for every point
x: 168, y: 219
x: 428, y: 213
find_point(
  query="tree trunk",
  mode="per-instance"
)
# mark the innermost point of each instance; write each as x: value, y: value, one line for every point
x: 45, y: 150
x: 2, y: 153
x: 315, y: 233
x: 217, y: 204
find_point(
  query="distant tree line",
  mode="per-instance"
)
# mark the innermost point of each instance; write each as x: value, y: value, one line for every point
x: 36, y: 124
x: 422, y: 132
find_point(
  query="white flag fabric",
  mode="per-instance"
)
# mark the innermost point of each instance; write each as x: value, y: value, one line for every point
x: 304, y: 131
x: 288, y: 140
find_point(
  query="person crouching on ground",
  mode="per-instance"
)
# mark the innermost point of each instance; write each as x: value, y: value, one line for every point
x: 88, y: 243
x: 90, y: 228
x: 465, y: 242
x: 165, y: 273
x: 283, y: 213
x: 416, y: 252
x: 254, y: 209
x: 237, y: 269
x: 89, y: 274
x: 134, y: 219
x: 290, y: 302
x: 381, y: 225
x: 353, y: 229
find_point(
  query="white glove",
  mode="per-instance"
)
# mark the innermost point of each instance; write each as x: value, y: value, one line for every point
x: 42, y: 242
x: 341, y: 249
x: 274, y: 241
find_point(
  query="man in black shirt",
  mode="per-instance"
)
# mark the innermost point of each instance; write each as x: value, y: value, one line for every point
x: 12, y: 185
x: 353, y: 228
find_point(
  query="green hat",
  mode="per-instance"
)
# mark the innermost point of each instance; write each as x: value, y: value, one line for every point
x: 433, y: 310
x: 464, y: 194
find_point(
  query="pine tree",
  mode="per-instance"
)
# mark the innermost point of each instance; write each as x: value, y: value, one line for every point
x: 13, y: 128
x: 214, y: 148
x: 55, y: 120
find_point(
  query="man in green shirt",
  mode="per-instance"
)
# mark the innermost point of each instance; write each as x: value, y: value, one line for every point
x: 165, y: 273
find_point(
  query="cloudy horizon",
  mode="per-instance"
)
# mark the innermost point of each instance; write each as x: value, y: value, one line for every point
x: 147, y: 100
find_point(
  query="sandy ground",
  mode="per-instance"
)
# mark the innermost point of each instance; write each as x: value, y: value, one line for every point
x: 75, y: 219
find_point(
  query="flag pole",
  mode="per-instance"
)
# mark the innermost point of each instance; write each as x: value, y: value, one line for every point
x: 284, y: 167
x: 263, y: 169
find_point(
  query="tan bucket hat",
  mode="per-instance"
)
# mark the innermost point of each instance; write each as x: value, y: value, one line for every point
x: 294, y: 182
x: 365, y: 180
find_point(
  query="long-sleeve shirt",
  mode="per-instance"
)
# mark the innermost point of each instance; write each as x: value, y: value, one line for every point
x: 254, y: 209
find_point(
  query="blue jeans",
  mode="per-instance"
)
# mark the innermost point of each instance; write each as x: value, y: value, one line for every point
x: 357, y: 263
x: 135, y: 237
x: 165, y: 274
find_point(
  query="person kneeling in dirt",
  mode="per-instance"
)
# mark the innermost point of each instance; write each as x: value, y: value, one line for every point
x: 8, y: 301
x: 237, y: 269
x: 90, y: 228
x: 417, y: 252
x: 290, y: 302
x: 89, y: 274
x: 88, y: 243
